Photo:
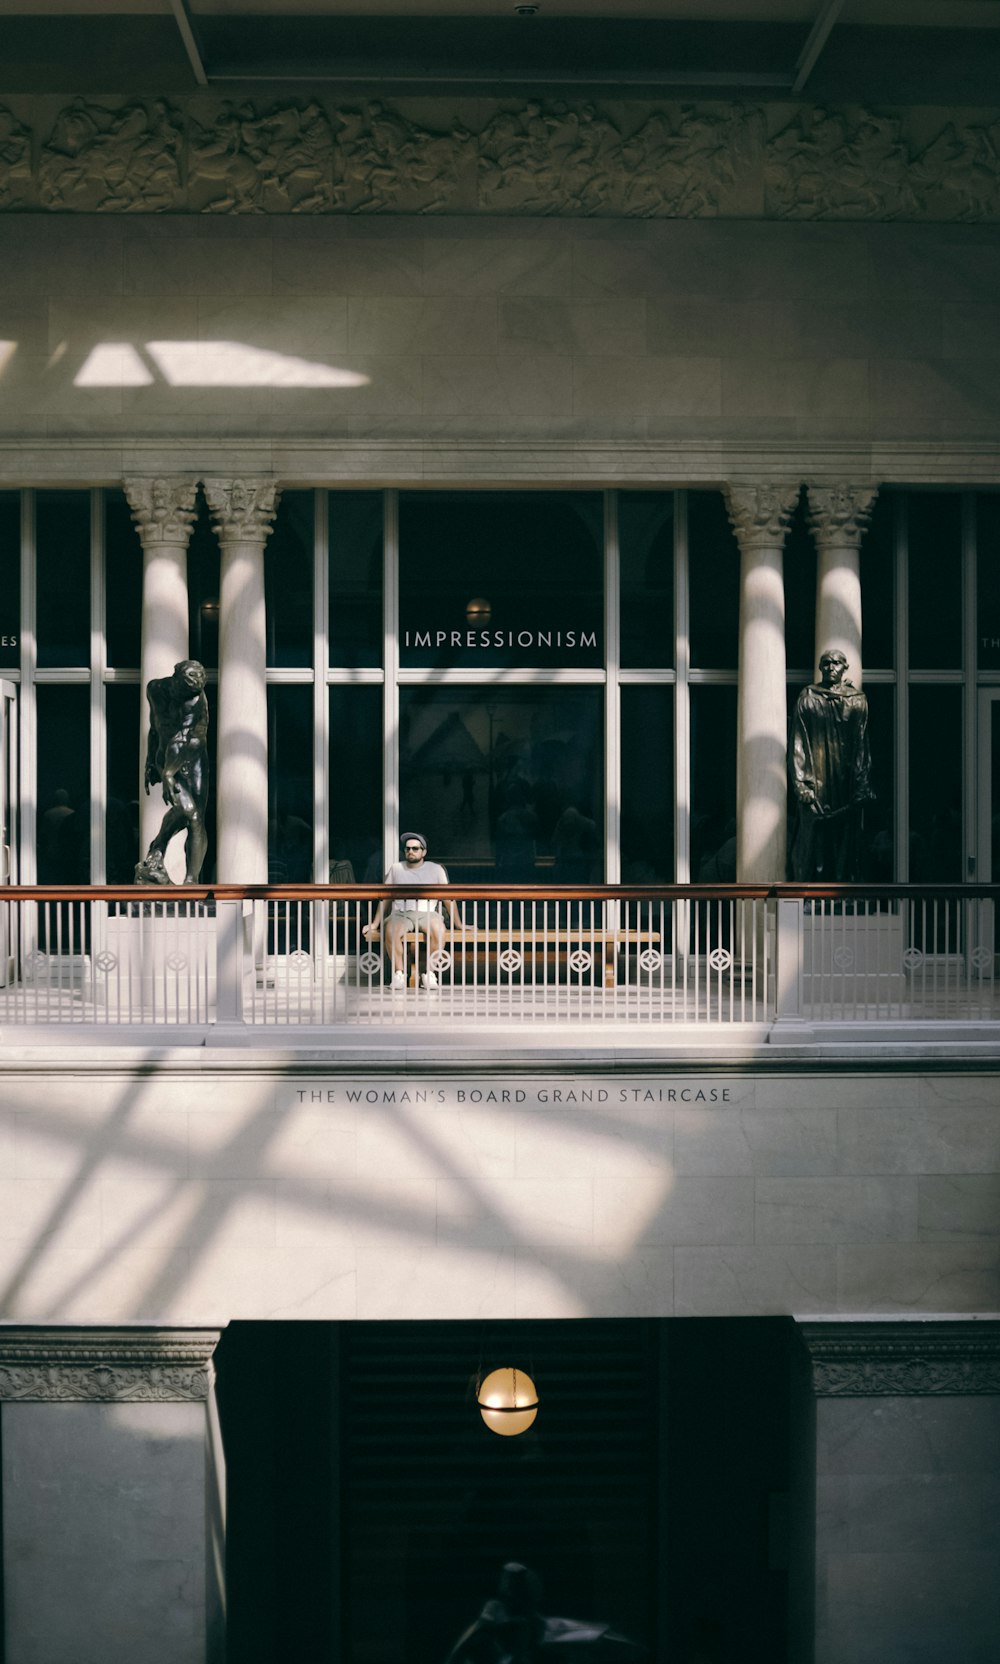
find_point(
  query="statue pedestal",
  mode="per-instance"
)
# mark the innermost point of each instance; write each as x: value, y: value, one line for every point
x: 852, y: 959
x: 158, y: 961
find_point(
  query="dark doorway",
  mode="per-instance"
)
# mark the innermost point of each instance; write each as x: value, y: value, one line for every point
x: 370, y: 1509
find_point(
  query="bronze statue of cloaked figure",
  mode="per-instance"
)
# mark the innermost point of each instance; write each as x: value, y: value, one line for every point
x: 512, y: 1630
x: 830, y: 767
x: 177, y: 757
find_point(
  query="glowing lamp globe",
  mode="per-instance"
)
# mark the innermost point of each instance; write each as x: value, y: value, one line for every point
x: 508, y: 1402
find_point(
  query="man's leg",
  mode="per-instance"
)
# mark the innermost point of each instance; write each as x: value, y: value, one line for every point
x: 432, y: 924
x: 394, y: 933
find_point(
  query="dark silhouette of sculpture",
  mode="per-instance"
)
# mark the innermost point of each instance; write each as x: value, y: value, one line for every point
x: 512, y: 1630
x: 177, y: 757
x: 830, y: 766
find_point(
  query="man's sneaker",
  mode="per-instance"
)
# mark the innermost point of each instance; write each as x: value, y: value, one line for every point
x: 399, y: 979
x: 429, y: 980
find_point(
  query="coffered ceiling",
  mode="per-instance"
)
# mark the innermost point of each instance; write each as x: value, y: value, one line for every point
x: 889, y: 51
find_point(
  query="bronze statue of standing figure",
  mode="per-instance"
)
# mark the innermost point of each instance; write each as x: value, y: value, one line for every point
x: 830, y: 767
x: 177, y: 757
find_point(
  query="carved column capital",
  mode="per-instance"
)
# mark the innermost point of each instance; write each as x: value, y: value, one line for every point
x: 760, y: 514
x: 838, y: 514
x: 75, y: 1366
x: 873, y: 1360
x: 163, y: 508
x: 242, y: 510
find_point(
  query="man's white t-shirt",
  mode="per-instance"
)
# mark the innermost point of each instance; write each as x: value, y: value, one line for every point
x: 428, y: 872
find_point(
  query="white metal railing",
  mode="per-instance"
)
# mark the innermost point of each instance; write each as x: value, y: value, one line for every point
x: 299, y: 957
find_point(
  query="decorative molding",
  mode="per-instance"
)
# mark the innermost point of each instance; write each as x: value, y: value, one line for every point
x: 873, y: 1360
x: 242, y: 510
x: 838, y: 514
x: 645, y: 161
x: 760, y: 514
x: 70, y: 1366
x: 303, y: 460
x: 163, y: 508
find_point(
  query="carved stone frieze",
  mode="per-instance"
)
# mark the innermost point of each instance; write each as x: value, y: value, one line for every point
x: 655, y: 160
x: 887, y: 1360
x: 838, y: 514
x: 106, y: 1365
x: 760, y: 513
x: 242, y: 510
x: 163, y: 508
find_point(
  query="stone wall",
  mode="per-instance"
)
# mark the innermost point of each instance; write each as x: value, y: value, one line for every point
x: 408, y: 349
x: 202, y: 1194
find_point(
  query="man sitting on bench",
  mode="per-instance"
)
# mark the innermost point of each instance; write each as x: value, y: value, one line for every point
x: 410, y: 916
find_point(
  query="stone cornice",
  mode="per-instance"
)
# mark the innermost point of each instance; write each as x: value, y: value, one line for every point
x: 872, y: 1360
x: 659, y: 159
x: 163, y: 508
x: 65, y: 1365
x: 838, y: 514
x: 242, y: 509
x: 300, y: 460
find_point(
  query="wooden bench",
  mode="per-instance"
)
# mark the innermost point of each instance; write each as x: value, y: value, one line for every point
x: 483, y: 949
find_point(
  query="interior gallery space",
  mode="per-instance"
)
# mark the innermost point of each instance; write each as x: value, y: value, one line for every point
x: 500, y: 785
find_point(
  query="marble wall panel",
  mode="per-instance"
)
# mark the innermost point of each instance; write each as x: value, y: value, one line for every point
x: 836, y: 1210
x: 190, y: 1195
x: 85, y: 1579
x: 959, y: 1205
x: 749, y: 1282
x: 919, y: 1277
x: 907, y: 1529
x: 483, y: 329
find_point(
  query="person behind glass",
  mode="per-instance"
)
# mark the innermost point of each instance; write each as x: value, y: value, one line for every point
x: 410, y: 915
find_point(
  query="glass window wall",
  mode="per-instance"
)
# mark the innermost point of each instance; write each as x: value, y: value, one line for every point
x: 611, y: 755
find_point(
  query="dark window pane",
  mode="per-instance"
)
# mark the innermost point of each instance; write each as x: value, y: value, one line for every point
x: 713, y: 785
x: 355, y: 529
x: 203, y: 590
x: 288, y: 581
x: 122, y: 582
x: 506, y: 783
x: 501, y: 578
x: 290, y: 784
x: 647, y: 789
x: 800, y: 593
x: 878, y: 585
x: 646, y: 553
x: 934, y: 543
x: 122, y: 819
x: 988, y: 579
x: 63, y: 565
x: 878, y: 838
x: 356, y: 834
x: 936, y: 754
x: 10, y: 579
x: 714, y: 582
x: 63, y: 785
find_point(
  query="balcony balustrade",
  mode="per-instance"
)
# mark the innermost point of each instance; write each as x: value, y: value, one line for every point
x: 650, y: 960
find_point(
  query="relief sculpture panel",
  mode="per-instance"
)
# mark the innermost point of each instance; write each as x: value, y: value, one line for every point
x: 656, y: 161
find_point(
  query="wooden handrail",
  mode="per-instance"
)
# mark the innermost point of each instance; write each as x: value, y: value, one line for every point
x: 180, y: 893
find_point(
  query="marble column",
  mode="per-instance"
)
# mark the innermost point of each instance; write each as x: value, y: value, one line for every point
x: 838, y: 515
x: 163, y: 509
x: 112, y: 1496
x: 895, y: 1509
x: 760, y: 515
x: 243, y: 512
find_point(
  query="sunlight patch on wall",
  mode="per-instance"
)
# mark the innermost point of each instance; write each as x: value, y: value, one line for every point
x: 113, y: 364
x: 234, y: 364
x: 7, y: 351
x: 206, y: 364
